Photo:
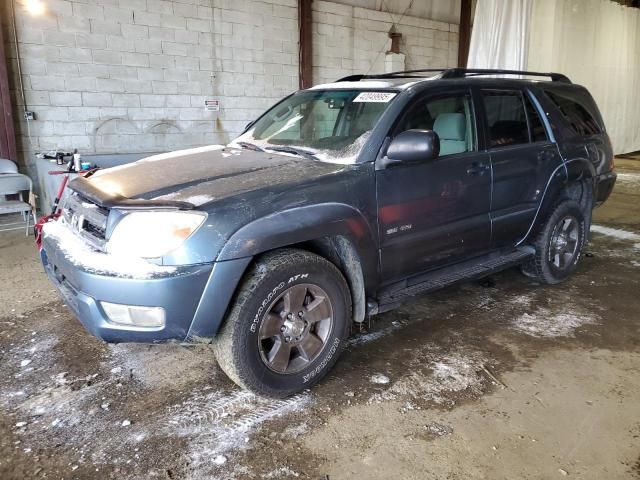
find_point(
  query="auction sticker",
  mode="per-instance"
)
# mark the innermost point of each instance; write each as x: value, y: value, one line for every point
x: 378, y: 97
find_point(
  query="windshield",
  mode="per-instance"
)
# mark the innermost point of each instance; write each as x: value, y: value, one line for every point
x: 327, y: 125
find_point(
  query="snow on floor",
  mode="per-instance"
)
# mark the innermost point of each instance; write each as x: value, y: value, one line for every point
x: 434, y: 375
x: 27, y: 360
x: 216, y: 423
x: 615, y: 233
x: 628, y: 179
x: 450, y: 373
x: 282, y: 472
x: 545, y: 323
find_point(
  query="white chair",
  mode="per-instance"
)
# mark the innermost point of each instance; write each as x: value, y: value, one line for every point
x: 10, y: 183
x: 7, y: 166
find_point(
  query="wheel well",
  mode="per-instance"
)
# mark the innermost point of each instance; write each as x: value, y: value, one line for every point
x: 582, y: 192
x: 340, y: 251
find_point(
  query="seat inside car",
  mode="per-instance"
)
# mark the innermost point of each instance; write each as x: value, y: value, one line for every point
x: 452, y: 130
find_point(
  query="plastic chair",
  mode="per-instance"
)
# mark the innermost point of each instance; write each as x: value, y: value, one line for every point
x: 10, y: 183
x: 7, y: 166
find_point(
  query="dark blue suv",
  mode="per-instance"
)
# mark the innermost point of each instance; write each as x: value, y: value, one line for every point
x: 341, y: 201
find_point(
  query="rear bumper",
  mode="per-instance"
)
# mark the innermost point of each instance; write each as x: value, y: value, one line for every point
x: 195, y: 297
x: 604, y: 186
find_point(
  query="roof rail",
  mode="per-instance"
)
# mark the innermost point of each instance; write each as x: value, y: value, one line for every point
x: 448, y: 73
x: 471, y: 72
x: 399, y: 74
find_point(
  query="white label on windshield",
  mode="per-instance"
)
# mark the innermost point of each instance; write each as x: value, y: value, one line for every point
x: 379, y: 97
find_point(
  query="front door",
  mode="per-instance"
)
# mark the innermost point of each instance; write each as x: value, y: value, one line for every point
x: 436, y: 212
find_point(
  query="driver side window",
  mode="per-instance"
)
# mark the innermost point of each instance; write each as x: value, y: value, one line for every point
x: 450, y: 116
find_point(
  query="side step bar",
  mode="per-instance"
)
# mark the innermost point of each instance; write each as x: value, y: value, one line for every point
x: 394, y: 294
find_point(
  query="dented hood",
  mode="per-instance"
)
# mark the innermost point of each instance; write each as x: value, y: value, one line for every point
x: 194, y: 177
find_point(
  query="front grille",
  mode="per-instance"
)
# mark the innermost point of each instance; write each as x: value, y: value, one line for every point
x: 94, y: 230
x: 87, y: 219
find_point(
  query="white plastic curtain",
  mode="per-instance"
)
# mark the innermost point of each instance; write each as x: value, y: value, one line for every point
x: 500, y: 34
x: 596, y: 43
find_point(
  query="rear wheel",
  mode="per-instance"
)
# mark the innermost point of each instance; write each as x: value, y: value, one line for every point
x: 288, y: 324
x: 558, y: 245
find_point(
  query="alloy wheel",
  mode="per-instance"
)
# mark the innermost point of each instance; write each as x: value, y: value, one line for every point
x: 563, y: 246
x: 295, y: 328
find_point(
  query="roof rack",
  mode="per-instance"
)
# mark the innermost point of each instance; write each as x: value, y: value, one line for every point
x: 472, y: 72
x: 448, y: 73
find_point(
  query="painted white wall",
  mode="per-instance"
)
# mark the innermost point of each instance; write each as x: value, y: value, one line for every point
x: 596, y: 43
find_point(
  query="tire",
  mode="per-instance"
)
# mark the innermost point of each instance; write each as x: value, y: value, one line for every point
x: 288, y: 301
x: 558, y: 246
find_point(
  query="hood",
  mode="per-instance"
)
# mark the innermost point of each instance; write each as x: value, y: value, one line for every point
x: 198, y: 176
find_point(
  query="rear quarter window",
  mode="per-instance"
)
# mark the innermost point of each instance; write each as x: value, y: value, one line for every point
x: 578, y: 114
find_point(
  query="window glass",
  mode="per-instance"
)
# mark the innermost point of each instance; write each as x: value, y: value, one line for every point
x: 581, y: 121
x: 506, y: 118
x: 536, y: 127
x: 450, y: 117
x: 328, y: 125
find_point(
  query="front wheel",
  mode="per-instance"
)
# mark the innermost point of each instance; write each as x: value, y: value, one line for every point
x: 558, y: 245
x: 288, y: 324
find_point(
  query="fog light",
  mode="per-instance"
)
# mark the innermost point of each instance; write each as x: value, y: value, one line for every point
x: 134, y: 315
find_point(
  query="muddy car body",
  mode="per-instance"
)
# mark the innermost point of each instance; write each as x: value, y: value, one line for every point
x: 418, y: 182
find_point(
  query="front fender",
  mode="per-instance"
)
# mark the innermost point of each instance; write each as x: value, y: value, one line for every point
x: 302, y: 224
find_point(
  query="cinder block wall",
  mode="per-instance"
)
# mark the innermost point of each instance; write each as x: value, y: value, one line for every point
x: 351, y: 40
x: 129, y: 76
x: 109, y: 76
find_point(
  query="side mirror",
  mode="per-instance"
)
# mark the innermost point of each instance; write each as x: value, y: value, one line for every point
x: 413, y: 146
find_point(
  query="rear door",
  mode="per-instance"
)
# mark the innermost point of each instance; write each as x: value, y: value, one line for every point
x: 523, y: 157
x: 436, y: 212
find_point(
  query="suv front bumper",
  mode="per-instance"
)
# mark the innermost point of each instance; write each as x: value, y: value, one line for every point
x: 194, y: 297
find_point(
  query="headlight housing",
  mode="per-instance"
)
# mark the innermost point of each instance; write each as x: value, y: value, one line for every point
x: 153, y: 234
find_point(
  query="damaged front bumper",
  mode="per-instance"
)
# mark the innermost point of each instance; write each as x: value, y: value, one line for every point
x: 194, y: 297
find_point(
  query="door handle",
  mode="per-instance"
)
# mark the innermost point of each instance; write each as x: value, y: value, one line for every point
x: 476, y: 168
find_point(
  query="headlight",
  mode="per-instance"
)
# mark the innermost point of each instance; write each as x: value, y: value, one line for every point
x: 152, y: 234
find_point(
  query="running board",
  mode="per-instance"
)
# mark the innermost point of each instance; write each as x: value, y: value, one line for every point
x: 469, y: 270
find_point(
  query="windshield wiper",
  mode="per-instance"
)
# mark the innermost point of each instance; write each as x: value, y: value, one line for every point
x: 250, y: 146
x: 296, y: 151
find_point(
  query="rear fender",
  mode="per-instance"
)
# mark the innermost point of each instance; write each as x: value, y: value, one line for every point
x: 574, y: 170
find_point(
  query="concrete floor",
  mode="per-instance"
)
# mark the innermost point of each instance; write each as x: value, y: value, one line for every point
x: 498, y: 379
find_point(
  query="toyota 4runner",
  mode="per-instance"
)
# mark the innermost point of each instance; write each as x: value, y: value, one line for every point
x: 340, y: 202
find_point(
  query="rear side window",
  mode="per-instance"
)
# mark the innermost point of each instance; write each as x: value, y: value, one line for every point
x: 581, y: 121
x: 506, y: 118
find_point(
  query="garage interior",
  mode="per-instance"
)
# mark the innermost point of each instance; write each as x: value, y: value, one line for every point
x: 498, y: 378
